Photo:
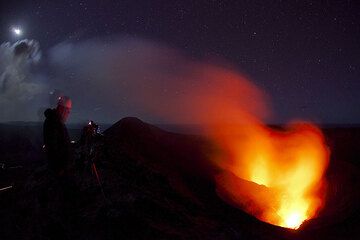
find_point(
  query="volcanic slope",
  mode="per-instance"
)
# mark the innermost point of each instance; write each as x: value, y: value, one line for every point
x: 157, y: 185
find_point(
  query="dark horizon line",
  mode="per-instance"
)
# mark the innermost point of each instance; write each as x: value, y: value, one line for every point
x: 184, y: 124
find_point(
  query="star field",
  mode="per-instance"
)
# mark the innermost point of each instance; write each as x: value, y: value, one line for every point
x: 304, y: 54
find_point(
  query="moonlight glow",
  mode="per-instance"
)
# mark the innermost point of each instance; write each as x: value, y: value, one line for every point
x: 17, y: 31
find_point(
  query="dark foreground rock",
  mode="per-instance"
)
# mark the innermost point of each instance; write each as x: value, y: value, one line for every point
x: 156, y: 185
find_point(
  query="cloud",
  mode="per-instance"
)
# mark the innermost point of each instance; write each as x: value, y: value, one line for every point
x: 19, y: 86
x: 108, y: 81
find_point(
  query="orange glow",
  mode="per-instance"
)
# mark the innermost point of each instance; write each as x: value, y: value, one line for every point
x: 287, y: 168
x: 276, y: 176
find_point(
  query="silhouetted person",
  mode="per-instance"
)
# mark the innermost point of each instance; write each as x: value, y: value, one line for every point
x: 56, y: 137
x: 60, y: 190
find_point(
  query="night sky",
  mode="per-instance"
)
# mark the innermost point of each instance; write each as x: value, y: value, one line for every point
x: 304, y: 54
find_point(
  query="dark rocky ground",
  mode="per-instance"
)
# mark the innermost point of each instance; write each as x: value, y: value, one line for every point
x: 156, y: 186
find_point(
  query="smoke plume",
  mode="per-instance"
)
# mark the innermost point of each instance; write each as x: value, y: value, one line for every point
x: 141, y: 78
x: 275, y: 175
x: 128, y: 76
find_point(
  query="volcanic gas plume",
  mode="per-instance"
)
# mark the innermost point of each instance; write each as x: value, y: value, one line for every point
x: 275, y: 175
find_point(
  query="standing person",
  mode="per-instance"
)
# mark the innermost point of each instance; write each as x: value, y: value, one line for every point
x: 56, y: 137
x: 60, y: 188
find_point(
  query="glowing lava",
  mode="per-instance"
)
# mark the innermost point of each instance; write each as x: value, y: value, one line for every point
x: 285, y: 168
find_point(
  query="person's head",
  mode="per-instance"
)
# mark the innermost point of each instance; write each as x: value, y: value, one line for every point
x: 63, y: 108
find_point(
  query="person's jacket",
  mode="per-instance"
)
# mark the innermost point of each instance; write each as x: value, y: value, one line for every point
x: 57, y: 142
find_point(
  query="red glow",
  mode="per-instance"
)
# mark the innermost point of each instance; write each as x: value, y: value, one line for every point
x: 277, y: 176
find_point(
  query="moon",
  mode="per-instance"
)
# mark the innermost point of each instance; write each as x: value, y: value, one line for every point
x: 17, y: 31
